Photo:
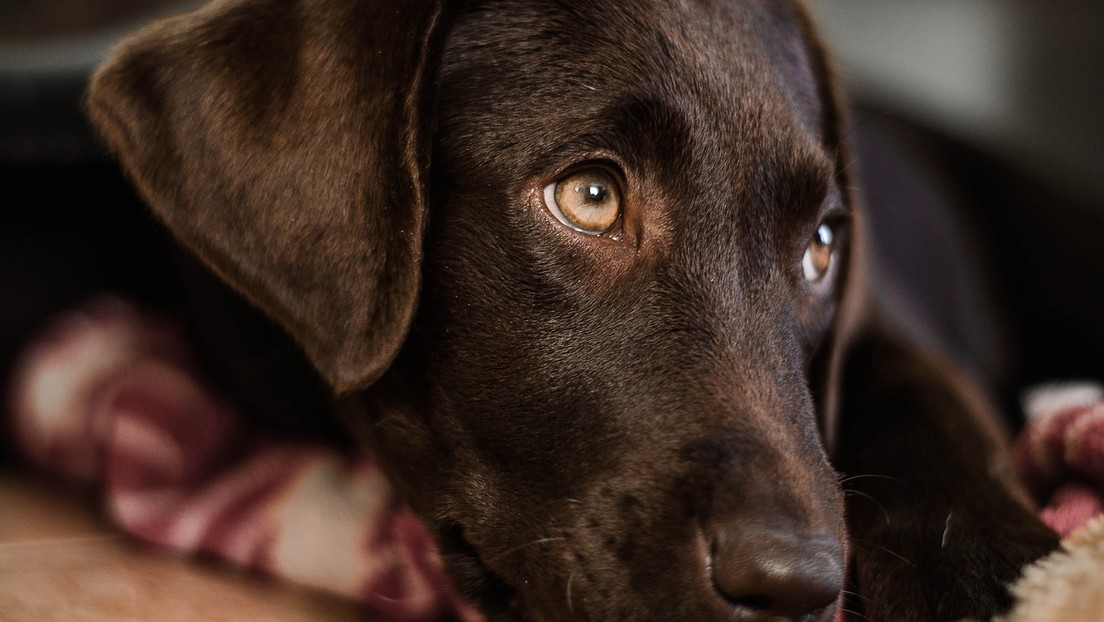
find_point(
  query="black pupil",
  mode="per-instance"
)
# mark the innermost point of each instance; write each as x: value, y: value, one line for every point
x: 824, y: 235
x: 595, y: 193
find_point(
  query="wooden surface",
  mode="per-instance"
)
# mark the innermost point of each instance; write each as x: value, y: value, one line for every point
x: 60, y: 560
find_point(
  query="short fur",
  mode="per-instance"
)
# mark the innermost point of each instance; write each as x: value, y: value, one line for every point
x: 595, y: 429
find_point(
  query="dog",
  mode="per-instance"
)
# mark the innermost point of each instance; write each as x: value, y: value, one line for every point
x: 589, y: 278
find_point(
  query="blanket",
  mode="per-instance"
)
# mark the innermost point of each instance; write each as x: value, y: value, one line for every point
x: 1060, y: 453
x: 111, y: 396
x: 1060, y: 456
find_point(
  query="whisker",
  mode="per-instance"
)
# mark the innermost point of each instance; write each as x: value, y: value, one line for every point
x: 565, y: 500
x: 855, y: 594
x: 847, y: 491
x: 852, y: 478
x: 522, y: 546
x: 853, y: 613
x: 875, y: 544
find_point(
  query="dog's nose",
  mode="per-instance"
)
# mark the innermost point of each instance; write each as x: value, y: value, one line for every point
x: 773, y: 575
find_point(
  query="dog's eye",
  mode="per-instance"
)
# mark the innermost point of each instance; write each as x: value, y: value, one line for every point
x: 818, y: 258
x: 588, y: 201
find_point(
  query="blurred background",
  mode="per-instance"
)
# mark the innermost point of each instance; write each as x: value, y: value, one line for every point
x: 1021, y: 78
x: 980, y: 141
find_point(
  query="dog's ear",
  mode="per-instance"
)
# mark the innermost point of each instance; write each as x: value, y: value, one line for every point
x: 854, y: 303
x: 284, y: 142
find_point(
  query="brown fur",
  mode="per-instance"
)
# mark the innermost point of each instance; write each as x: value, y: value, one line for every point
x: 582, y: 421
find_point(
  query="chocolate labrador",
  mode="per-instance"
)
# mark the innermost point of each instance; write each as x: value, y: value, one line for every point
x: 588, y: 276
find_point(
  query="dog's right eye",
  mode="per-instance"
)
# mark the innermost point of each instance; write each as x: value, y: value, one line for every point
x: 588, y: 201
x: 818, y: 255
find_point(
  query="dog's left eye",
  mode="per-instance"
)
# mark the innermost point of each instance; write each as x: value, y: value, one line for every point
x: 820, y: 254
x: 588, y: 201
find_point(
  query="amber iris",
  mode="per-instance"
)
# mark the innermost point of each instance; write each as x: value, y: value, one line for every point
x: 818, y: 255
x: 588, y: 201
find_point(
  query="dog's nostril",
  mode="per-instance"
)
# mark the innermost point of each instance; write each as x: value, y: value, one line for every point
x: 773, y: 574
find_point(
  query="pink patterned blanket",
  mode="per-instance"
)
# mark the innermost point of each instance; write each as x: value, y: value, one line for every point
x: 111, y: 397
x: 1060, y: 453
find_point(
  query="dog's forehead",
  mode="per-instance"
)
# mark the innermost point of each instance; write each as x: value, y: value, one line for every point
x: 566, y: 48
x: 724, y: 75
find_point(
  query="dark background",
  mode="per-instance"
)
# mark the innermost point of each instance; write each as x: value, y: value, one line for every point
x: 1022, y: 78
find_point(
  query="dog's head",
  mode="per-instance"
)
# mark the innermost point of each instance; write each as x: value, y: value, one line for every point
x: 579, y: 265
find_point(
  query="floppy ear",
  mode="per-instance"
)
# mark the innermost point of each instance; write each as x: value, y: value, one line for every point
x: 282, y: 141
